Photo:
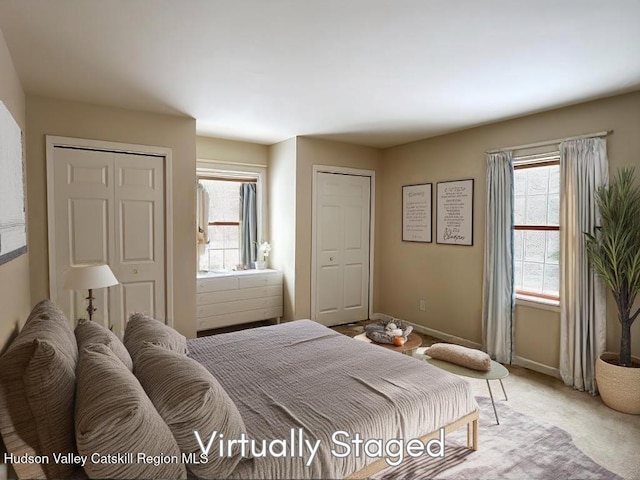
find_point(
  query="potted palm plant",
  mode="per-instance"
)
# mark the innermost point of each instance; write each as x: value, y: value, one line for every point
x: 614, y: 252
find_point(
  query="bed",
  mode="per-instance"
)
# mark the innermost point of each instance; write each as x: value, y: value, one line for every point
x: 302, y: 375
x: 76, y: 393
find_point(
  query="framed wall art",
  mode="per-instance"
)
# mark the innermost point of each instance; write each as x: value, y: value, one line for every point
x: 416, y: 213
x: 13, y: 232
x: 454, y: 206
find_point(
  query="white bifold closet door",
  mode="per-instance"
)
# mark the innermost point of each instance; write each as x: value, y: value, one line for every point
x: 109, y: 208
x: 342, y: 248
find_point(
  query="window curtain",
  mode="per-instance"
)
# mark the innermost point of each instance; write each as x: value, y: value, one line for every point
x: 202, y: 219
x: 497, y: 291
x: 583, y: 168
x: 248, y: 224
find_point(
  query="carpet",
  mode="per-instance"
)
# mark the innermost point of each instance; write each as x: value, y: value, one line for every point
x: 519, y: 448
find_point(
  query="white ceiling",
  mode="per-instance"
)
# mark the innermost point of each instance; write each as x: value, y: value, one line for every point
x: 373, y: 72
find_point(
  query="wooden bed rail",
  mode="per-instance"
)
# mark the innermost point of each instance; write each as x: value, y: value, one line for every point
x: 470, y: 421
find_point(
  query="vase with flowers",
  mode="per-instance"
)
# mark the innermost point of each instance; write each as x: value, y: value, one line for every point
x: 263, y: 253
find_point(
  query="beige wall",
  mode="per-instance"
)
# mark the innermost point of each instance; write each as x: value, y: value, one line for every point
x: 282, y: 217
x: 15, y: 299
x: 71, y: 119
x: 449, y: 278
x: 231, y: 151
x: 537, y: 335
x: 290, y: 196
x: 310, y: 152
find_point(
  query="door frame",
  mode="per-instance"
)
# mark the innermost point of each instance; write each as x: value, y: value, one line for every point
x: 53, y: 141
x: 314, y: 211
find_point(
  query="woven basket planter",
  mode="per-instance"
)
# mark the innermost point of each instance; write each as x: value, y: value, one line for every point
x: 619, y: 387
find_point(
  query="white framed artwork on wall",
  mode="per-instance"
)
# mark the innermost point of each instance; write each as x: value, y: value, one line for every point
x: 454, y: 207
x: 416, y: 213
x: 13, y: 232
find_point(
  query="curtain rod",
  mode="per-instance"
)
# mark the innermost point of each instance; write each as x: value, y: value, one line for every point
x: 604, y: 133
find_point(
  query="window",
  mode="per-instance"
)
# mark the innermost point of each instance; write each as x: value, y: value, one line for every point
x: 537, y: 227
x: 223, y: 250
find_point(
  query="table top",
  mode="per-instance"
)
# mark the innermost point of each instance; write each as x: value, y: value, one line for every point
x: 413, y: 341
x: 497, y: 372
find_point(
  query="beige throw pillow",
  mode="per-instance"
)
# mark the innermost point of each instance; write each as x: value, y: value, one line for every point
x: 189, y: 398
x: 88, y: 332
x: 466, y: 357
x: 114, y: 416
x: 142, y: 328
x: 37, y: 389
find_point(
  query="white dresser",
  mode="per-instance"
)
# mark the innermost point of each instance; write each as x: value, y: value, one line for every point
x: 232, y: 298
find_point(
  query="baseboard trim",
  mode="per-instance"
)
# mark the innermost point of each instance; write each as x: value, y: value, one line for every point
x: 536, y: 366
x: 432, y: 332
x: 520, y: 361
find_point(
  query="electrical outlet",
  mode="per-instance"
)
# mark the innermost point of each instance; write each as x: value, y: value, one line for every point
x: 423, y: 305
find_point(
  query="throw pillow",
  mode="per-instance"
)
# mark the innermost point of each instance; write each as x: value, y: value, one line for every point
x: 466, y: 357
x: 88, y: 332
x: 114, y: 416
x: 37, y: 388
x: 189, y: 398
x: 142, y: 328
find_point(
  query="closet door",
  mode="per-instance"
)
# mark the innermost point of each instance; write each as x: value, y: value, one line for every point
x: 138, y: 260
x: 108, y: 207
x: 342, y: 248
x: 83, y: 219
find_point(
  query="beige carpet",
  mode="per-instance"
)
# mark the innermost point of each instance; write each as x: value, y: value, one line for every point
x: 611, y: 439
x: 519, y: 448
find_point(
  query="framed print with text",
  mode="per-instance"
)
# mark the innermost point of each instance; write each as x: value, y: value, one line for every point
x: 416, y: 213
x: 454, y: 212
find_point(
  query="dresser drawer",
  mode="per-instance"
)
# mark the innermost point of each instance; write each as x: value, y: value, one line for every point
x: 240, y: 306
x: 235, y: 295
x: 218, y: 321
x: 260, y: 280
x: 217, y: 284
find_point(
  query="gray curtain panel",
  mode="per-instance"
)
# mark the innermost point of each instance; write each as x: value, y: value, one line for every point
x: 497, y: 290
x: 583, y: 168
x: 248, y: 224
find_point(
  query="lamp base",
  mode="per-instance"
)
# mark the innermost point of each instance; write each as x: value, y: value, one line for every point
x: 90, y: 308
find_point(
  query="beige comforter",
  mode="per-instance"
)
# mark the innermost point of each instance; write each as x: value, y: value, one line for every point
x: 304, y: 376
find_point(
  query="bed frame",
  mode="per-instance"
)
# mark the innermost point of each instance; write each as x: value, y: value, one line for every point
x: 471, y: 422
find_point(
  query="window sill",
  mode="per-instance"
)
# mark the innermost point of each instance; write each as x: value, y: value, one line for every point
x: 535, y: 302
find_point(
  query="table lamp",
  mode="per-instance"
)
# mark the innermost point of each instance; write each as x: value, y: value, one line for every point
x: 88, y: 277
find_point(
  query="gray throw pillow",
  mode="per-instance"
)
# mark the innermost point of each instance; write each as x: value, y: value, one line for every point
x: 88, y: 332
x: 114, y: 416
x: 142, y: 328
x: 190, y: 399
x: 37, y: 389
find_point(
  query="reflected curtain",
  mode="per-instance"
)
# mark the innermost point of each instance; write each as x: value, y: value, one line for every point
x: 248, y: 224
x: 583, y: 168
x: 498, y: 289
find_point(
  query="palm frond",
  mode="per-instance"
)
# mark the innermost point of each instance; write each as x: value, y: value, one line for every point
x: 614, y: 249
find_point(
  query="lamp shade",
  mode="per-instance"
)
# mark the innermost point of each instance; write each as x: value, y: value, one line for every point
x: 85, y: 277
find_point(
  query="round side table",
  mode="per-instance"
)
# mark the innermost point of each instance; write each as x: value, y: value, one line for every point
x: 497, y: 372
x: 413, y: 341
